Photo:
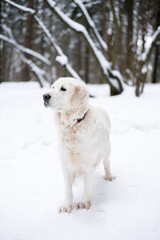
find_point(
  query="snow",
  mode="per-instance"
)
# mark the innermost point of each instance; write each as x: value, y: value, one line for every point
x: 19, y: 49
x: 59, y: 51
x: 144, y: 69
x: 85, y: 12
x: 72, y: 72
x: 40, y: 73
x: 73, y: 24
x: 91, y: 23
x: 31, y: 181
x: 62, y: 60
x: 119, y: 76
x: 25, y: 50
x: 103, y: 63
x: 149, y: 42
x: 24, y: 9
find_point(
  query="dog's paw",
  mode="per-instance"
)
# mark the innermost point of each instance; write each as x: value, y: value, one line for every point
x: 65, y: 209
x: 109, y: 178
x: 82, y: 205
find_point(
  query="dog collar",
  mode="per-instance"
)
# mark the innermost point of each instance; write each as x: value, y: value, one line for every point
x: 80, y: 119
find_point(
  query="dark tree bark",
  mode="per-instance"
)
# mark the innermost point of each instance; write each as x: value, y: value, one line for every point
x: 86, y: 67
x: 129, y: 55
x: 107, y: 37
x: 86, y: 64
x: 157, y: 50
x: 155, y: 67
x: 133, y: 21
x: 79, y: 58
x: 107, y: 73
x: 28, y: 41
x: 116, y: 35
x: 121, y: 53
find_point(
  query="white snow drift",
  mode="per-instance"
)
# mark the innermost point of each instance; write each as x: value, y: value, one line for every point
x: 30, y: 172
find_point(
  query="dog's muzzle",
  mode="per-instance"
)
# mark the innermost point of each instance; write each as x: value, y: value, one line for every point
x: 46, y: 98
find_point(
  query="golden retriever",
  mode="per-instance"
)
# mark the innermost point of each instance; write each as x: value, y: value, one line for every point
x: 84, y: 137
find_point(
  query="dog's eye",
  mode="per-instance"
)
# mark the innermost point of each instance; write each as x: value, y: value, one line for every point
x: 63, y: 89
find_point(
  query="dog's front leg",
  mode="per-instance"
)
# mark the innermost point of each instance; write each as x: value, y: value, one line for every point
x: 88, y: 189
x: 68, y: 180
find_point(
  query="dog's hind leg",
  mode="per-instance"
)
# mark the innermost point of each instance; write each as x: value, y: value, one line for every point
x: 106, y: 162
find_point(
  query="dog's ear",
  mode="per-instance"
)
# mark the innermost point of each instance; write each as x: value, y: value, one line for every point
x: 79, y: 96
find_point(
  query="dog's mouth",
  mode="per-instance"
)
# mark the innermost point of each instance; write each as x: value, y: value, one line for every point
x: 46, y: 104
x: 46, y: 98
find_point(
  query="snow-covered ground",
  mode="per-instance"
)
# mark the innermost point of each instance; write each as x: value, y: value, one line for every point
x: 31, y: 182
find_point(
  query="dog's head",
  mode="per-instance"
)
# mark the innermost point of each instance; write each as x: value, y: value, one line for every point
x: 66, y: 94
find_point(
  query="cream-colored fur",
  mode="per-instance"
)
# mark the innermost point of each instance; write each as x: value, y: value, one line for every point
x: 82, y: 144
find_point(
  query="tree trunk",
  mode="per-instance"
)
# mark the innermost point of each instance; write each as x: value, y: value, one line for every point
x: 86, y: 67
x: 99, y: 58
x: 107, y: 37
x: 155, y: 66
x: 116, y: 36
x: 129, y: 56
x: 86, y: 64
x: 28, y: 41
x: 79, y: 55
x: 157, y: 50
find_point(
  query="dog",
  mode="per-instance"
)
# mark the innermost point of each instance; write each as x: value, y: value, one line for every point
x: 84, y: 133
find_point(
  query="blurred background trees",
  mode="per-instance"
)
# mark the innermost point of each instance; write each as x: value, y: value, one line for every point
x: 120, y: 41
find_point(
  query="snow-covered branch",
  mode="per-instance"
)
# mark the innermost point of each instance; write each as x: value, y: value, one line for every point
x: 35, y: 69
x: 80, y: 28
x: 24, y: 9
x: 39, y: 73
x: 90, y: 22
x: 61, y: 56
x: 155, y: 38
x: 25, y: 50
x: 103, y: 64
x: 59, y: 51
x: 109, y: 75
x: 143, y: 61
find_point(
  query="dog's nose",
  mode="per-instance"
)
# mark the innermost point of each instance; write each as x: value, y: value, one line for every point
x: 46, y: 97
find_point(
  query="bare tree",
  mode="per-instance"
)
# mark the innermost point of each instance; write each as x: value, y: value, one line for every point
x: 78, y: 39
x: 143, y: 62
x: 113, y: 78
